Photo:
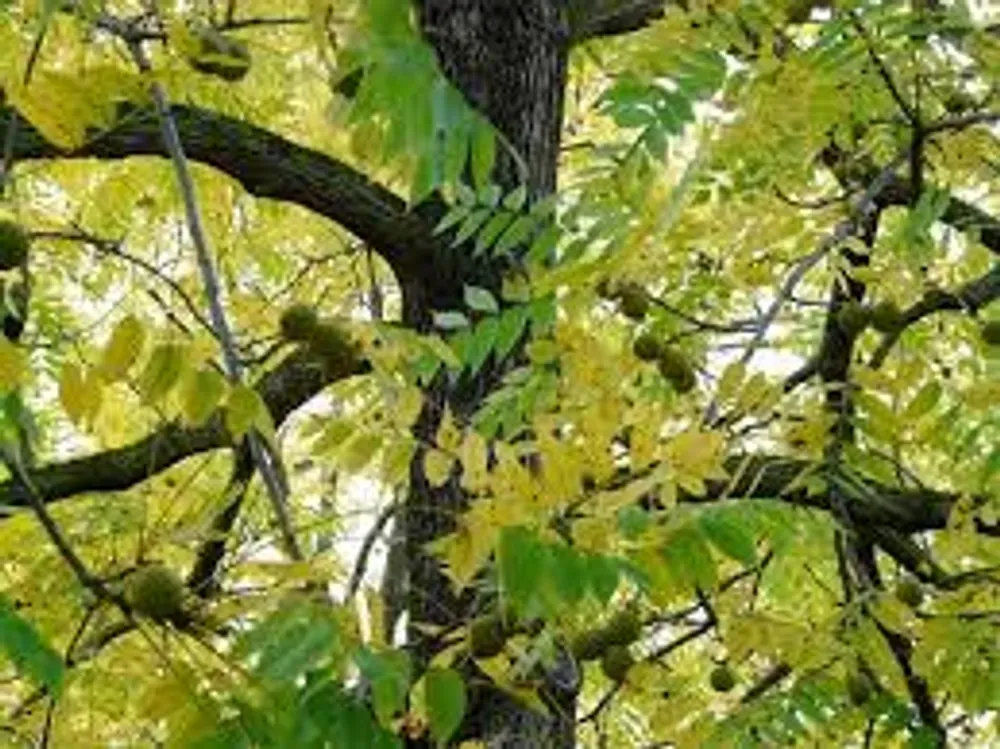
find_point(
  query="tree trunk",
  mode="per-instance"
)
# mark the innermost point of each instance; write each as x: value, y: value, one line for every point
x: 509, y: 60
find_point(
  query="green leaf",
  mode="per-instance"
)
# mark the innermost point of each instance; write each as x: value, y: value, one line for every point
x: 456, y: 215
x: 729, y: 536
x: 481, y: 344
x: 471, y: 225
x: 492, y: 230
x: 481, y: 299
x: 689, y: 559
x: 27, y: 649
x: 389, y: 675
x: 299, y: 637
x: 483, y: 153
x: 446, y: 701
x: 515, y: 199
x: 516, y: 234
x: 521, y: 561
x: 509, y: 330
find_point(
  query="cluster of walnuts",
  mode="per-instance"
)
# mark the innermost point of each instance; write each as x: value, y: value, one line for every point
x: 610, y: 643
x: 633, y: 302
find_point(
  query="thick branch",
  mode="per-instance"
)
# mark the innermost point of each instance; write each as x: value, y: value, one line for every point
x: 267, y: 165
x: 596, y: 18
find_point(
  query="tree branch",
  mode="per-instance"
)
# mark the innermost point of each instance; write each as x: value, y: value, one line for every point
x: 296, y: 380
x: 596, y: 18
x: 266, y: 165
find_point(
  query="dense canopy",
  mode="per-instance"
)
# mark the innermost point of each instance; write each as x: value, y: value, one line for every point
x: 600, y: 373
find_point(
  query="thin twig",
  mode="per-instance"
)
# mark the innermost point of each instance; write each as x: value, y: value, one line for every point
x: 267, y: 461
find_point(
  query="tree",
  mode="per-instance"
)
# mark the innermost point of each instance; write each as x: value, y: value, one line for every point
x: 670, y: 329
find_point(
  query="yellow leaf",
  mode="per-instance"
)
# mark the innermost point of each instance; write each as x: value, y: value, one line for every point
x: 358, y: 452
x: 79, y: 395
x: 123, y: 349
x: 396, y: 458
x: 732, y: 378
x: 437, y: 466
x: 162, y: 371
x: 13, y: 365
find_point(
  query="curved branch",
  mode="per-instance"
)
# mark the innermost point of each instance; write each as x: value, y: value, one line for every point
x: 596, y: 18
x: 266, y: 165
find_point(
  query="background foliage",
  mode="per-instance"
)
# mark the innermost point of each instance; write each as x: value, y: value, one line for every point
x: 722, y: 174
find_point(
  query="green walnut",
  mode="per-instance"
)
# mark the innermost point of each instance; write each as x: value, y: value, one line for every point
x: 886, y: 317
x: 647, y: 347
x: 607, y: 288
x: 990, y: 333
x: 334, y: 346
x: 623, y: 628
x: 220, y: 55
x: 677, y: 370
x: 616, y: 662
x: 155, y: 591
x: 633, y: 301
x: 298, y: 323
x: 487, y: 636
x: 853, y: 318
x: 589, y: 645
x: 909, y: 591
x: 14, y: 244
x: 859, y: 688
x: 722, y: 678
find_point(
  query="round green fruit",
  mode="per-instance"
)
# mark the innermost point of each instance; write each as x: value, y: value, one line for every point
x: 853, y: 318
x: 722, y: 679
x: 633, y: 301
x: 588, y: 646
x: 647, y: 347
x: 623, y: 628
x: 886, y: 317
x: 616, y: 662
x: 606, y: 288
x: 677, y: 370
x: 909, y: 592
x: 298, y: 323
x: 156, y: 592
x: 990, y: 333
x: 222, y: 56
x: 487, y: 636
x: 335, y: 347
x: 859, y: 688
x: 14, y: 244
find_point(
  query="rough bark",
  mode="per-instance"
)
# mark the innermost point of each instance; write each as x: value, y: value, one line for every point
x: 509, y: 60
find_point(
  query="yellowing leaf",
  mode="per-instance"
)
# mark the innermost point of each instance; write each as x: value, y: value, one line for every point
x: 202, y: 392
x: 80, y: 395
x: 13, y: 365
x: 437, y: 466
x: 162, y: 371
x: 123, y: 349
x: 732, y: 378
x: 243, y: 410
